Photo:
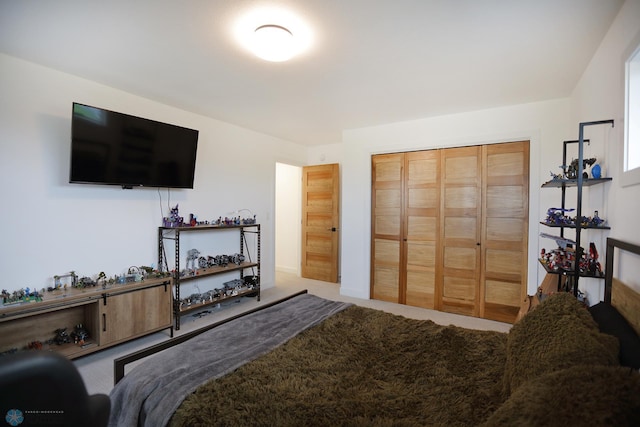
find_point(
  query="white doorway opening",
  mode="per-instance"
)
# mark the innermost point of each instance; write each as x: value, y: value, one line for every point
x: 288, y: 218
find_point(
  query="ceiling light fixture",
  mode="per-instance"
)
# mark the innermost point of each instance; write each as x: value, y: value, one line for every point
x: 273, y: 43
x: 272, y: 34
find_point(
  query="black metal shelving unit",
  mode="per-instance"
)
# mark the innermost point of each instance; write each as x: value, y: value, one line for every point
x: 173, y: 233
x: 579, y: 182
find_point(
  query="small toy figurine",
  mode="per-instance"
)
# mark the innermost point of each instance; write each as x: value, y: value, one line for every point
x: 237, y: 258
x: 35, y: 345
x: 174, y: 219
x: 222, y: 260
x: 572, y: 171
x: 594, y: 266
x: 555, y: 216
x: 85, y: 282
x: 202, y: 262
x: 57, y: 283
x: 61, y: 336
x: 192, y: 258
x: 596, y: 220
x: 102, y: 280
x: 80, y: 334
x: 247, y: 221
x: 555, y: 176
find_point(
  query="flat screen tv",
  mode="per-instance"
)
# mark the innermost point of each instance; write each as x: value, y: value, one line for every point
x: 120, y: 149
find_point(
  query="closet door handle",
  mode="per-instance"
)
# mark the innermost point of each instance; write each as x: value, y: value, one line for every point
x: 104, y: 322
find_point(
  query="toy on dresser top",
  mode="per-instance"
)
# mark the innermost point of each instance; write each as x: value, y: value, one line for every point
x: 69, y: 281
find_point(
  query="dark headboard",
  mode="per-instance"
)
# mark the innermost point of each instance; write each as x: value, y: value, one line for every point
x: 616, y: 293
x: 608, y: 277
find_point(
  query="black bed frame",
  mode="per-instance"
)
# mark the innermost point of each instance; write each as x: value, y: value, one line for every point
x: 612, y: 244
x: 119, y: 363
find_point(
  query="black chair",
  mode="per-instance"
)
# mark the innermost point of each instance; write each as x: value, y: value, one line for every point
x: 44, y: 388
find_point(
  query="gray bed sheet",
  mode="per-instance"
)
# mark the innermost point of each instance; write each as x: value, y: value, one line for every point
x: 150, y: 393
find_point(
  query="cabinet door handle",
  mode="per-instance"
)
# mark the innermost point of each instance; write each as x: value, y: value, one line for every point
x: 104, y: 322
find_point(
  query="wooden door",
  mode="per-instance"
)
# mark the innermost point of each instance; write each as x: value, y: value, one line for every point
x: 505, y: 229
x: 460, y: 228
x: 320, y: 222
x: 387, y: 260
x: 421, y: 216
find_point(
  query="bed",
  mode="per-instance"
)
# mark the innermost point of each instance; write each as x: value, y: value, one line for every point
x: 310, y: 361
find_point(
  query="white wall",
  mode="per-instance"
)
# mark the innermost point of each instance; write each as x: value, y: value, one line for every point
x: 288, y: 217
x: 545, y: 124
x: 51, y: 227
x: 324, y: 154
x: 599, y: 95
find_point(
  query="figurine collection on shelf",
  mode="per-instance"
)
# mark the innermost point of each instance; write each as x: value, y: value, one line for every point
x: 557, y: 217
x: 196, y: 262
x: 571, y: 171
x: 230, y: 289
x: 80, y: 336
x: 175, y: 220
x: 28, y: 295
x: 564, y: 259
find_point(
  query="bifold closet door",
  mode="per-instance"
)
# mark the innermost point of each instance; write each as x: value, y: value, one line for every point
x: 505, y: 230
x: 405, y: 208
x: 421, y: 216
x: 387, y: 262
x: 460, y: 227
x: 449, y: 229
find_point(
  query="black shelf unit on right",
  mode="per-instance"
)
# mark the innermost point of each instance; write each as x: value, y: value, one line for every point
x: 579, y: 183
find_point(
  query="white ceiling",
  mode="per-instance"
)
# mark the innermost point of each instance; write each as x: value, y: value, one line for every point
x: 372, y: 61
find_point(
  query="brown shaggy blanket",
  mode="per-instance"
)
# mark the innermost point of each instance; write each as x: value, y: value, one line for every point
x: 360, y: 367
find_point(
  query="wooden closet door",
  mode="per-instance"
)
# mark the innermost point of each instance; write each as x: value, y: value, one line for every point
x: 505, y: 229
x: 450, y: 229
x: 421, y: 216
x: 387, y: 262
x: 460, y: 228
